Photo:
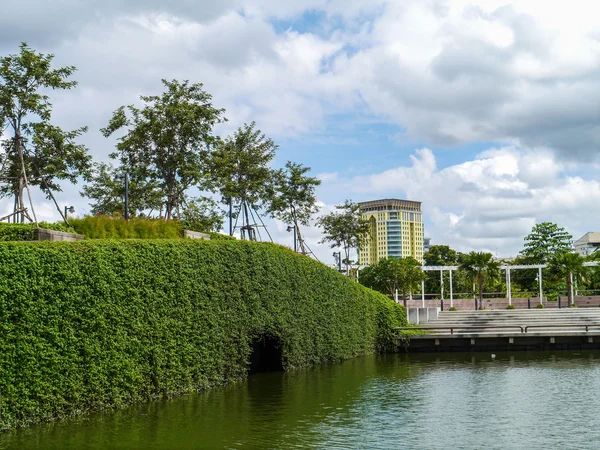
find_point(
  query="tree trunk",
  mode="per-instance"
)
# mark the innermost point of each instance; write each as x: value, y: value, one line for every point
x: 571, y: 300
x: 347, y: 261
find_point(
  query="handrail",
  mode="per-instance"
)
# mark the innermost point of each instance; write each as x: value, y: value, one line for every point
x: 564, y: 325
x: 523, y: 328
x: 460, y: 327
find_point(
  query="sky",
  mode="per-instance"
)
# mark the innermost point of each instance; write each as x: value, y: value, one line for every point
x: 486, y: 111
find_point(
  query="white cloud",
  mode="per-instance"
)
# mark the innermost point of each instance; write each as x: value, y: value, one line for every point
x: 491, y: 202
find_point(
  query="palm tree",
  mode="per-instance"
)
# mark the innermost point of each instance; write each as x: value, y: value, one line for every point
x: 480, y: 266
x: 568, y: 266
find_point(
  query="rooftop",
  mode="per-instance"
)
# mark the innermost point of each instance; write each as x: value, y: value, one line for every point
x: 390, y: 204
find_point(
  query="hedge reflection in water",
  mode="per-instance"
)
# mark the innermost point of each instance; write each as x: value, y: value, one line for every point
x: 524, y: 400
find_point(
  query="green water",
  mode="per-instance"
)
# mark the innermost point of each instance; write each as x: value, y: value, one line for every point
x: 454, y: 401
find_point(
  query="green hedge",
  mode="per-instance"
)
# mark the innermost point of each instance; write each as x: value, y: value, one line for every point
x: 26, y: 232
x: 101, y: 324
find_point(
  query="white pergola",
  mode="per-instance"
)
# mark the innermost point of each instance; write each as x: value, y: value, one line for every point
x: 504, y: 267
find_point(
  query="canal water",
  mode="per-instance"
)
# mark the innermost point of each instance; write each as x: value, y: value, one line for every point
x: 446, y: 401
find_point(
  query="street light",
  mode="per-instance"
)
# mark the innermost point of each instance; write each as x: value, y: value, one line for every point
x: 125, y: 177
x: 293, y: 228
x: 338, y: 260
x: 69, y: 209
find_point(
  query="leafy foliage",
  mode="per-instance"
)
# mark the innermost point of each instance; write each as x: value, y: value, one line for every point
x: 389, y: 274
x: 106, y: 189
x: 479, y: 267
x: 111, y: 227
x: 167, y: 141
x: 345, y: 228
x: 546, y: 240
x: 563, y: 264
x: 49, y: 153
x: 293, y: 200
x: 26, y: 232
x: 101, y: 324
x: 239, y: 169
x: 201, y: 214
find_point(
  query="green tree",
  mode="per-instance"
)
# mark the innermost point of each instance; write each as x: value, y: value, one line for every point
x: 440, y: 255
x: 107, y: 192
x: 167, y: 140
x: 546, y: 240
x: 240, y: 173
x: 391, y: 274
x: 37, y: 152
x: 293, y: 200
x: 201, y: 214
x: 345, y: 228
x: 480, y: 267
x: 568, y: 266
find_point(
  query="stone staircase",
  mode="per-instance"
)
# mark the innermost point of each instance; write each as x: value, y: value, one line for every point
x: 534, y: 321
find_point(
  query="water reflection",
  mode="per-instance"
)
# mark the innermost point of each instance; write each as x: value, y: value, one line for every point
x: 515, y: 400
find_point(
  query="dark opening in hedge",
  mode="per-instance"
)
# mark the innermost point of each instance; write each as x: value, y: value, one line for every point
x: 266, y: 355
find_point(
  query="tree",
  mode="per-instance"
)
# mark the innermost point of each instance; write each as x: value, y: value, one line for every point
x: 293, y: 200
x: 37, y: 153
x: 546, y: 240
x: 239, y: 171
x: 440, y: 255
x: 568, y: 266
x: 480, y: 266
x: 106, y: 189
x: 345, y: 228
x: 391, y: 274
x: 168, y: 140
x: 201, y: 214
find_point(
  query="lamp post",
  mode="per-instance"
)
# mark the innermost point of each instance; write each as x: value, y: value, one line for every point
x: 293, y: 228
x: 338, y: 260
x: 125, y: 177
x: 69, y: 209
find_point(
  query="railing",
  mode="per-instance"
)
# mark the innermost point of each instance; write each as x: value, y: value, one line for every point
x: 523, y: 328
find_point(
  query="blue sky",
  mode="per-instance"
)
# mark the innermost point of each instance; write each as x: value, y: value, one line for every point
x: 486, y: 111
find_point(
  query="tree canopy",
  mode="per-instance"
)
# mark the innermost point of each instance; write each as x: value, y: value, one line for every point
x: 480, y: 266
x: 167, y: 141
x: 546, y: 240
x: 239, y: 170
x: 391, y: 274
x: 563, y: 265
x: 37, y: 153
x: 345, y: 228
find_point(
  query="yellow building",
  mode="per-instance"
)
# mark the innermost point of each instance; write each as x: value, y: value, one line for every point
x: 396, y: 230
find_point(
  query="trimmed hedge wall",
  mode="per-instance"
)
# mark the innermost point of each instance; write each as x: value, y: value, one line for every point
x: 101, y: 324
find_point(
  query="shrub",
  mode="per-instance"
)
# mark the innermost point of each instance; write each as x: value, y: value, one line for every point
x: 109, y: 227
x: 510, y: 307
x: 540, y: 306
x: 98, y: 324
x: 452, y: 308
x: 26, y: 231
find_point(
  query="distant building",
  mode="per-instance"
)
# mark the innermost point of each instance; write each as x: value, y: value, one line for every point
x: 396, y: 230
x: 588, y: 243
x: 426, y: 244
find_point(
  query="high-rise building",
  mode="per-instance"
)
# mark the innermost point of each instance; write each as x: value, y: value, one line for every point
x: 588, y: 243
x: 396, y: 230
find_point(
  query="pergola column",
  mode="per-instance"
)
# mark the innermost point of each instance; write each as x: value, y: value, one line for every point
x: 540, y: 285
x: 423, y: 292
x: 451, y: 293
x: 508, y: 290
x: 442, y: 284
